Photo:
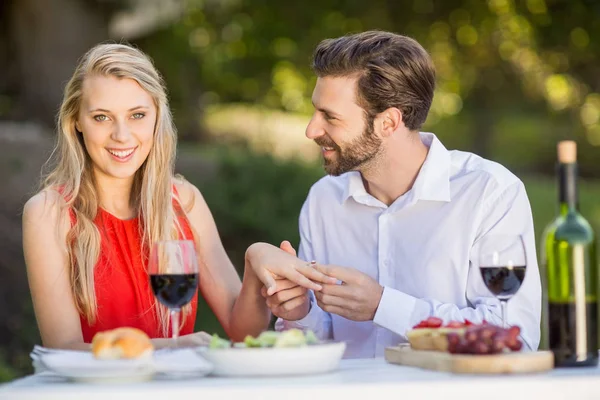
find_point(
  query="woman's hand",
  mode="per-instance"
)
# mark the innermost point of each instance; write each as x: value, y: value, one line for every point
x: 271, y: 264
x: 195, y: 339
x: 291, y: 301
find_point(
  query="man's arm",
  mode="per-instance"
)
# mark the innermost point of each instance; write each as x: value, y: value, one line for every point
x: 507, y: 213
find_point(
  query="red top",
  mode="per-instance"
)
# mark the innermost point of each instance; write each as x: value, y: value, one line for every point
x: 123, y: 292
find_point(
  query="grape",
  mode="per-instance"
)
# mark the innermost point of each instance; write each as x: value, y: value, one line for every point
x: 498, y: 345
x: 481, y: 348
x: 513, y: 343
x: 453, y: 339
x: 485, y: 339
x: 514, y: 331
x: 471, y: 335
x: 487, y: 332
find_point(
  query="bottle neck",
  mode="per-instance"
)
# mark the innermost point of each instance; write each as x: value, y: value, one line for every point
x: 567, y: 188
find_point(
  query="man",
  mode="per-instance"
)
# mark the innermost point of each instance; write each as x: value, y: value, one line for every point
x: 399, y: 218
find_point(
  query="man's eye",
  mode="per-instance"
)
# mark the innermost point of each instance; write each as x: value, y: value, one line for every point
x: 100, y: 118
x: 329, y: 117
x: 138, y: 115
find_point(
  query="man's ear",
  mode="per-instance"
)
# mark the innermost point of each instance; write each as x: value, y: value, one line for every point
x: 390, y: 120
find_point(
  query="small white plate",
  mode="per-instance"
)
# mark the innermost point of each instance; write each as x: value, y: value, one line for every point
x: 183, y: 363
x: 311, y: 359
x: 84, y: 367
x: 163, y: 364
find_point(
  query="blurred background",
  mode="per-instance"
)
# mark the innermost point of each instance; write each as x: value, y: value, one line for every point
x: 514, y: 77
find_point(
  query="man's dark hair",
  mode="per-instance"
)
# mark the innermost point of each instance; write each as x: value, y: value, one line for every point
x: 392, y: 70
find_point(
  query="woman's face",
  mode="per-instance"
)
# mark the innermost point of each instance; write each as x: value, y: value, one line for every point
x: 117, y: 119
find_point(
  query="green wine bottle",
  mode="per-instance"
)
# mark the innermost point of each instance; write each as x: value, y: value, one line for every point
x: 571, y: 273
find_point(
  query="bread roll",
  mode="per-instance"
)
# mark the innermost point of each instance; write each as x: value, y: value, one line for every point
x: 127, y: 343
x: 431, y: 339
x: 420, y: 339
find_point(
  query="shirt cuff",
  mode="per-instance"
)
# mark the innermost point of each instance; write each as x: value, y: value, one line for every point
x: 311, y: 321
x: 395, y: 311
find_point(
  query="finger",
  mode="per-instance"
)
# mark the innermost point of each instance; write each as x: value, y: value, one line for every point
x: 285, y: 295
x: 204, y: 337
x: 284, y: 284
x: 302, y: 280
x: 341, y: 311
x: 287, y: 247
x: 280, y: 284
x: 346, y: 291
x: 267, y: 279
x: 310, y: 271
x: 293, y: 275
x: 344, y: 274
x: 292, y: 304
x: 330, y: 300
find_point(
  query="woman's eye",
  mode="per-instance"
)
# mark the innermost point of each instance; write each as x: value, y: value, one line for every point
x: 100, y: 118
x: 138, y: 115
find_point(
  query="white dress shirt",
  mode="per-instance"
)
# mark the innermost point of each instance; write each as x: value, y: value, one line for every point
x: 422, y: 248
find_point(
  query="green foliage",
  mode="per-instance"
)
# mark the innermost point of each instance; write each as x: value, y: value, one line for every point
x: 7, y: 372
x: 492, y: 57
x: 256, y: 197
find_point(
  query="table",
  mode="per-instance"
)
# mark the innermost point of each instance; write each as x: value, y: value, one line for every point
x: 365, y: 379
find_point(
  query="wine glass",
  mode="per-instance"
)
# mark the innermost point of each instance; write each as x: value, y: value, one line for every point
x: 173, y: 269
x: 502, y: 262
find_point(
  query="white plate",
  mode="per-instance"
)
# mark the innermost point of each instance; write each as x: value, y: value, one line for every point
x: 165, y: 364
x: 313, y: 359
x: 83, y: 366
x: 183, y: 363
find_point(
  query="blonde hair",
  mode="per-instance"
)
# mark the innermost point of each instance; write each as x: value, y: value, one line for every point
x: 152, y: 193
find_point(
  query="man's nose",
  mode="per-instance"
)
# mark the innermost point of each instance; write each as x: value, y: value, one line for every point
x: 315, y: 128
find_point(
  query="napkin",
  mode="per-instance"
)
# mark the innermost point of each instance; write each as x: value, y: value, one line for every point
x: 164, y: 361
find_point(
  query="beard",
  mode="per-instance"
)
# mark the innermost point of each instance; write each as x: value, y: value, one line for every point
x: 354, y: 155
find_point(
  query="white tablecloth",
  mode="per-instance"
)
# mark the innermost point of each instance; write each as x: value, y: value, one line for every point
x: 368, y: 379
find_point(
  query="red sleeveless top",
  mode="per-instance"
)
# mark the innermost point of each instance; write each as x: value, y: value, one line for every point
x: 122, y: 285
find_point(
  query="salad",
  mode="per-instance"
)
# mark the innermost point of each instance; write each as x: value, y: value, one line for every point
x: 268, y: 339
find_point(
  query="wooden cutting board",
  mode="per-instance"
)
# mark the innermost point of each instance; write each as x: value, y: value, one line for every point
x: 511, y: 363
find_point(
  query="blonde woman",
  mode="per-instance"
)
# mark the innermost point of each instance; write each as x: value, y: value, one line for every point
x: 112, y: 193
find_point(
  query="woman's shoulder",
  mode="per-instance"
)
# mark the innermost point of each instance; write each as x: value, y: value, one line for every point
x: 186, y: 193
x: 44, y: 210
x: 45, y: 203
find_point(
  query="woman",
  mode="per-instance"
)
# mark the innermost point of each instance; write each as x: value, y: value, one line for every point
x: 112, y: 193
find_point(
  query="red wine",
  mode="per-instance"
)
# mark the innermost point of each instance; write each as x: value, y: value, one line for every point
x: 174, y: 290
x: 503, y: 282
x: 570, y: 348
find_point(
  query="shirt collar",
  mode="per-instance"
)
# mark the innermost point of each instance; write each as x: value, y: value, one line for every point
x: 433, y: 180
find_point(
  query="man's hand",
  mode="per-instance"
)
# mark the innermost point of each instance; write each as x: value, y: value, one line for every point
x: 290, y: 301
x: 356, y: 298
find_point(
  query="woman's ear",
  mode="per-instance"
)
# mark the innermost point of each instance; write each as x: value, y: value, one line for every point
x: 77, y: 128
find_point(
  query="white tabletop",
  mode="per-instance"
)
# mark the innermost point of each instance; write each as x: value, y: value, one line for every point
x: 369, y: 379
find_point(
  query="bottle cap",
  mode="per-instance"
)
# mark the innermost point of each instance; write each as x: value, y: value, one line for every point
x: 567, y: 152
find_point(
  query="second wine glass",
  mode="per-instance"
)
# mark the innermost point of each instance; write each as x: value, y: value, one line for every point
x: 173, y: 269
x: 502, y: 262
